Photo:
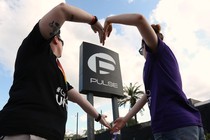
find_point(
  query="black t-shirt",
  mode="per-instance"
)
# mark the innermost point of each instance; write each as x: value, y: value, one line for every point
x: 38, y: 99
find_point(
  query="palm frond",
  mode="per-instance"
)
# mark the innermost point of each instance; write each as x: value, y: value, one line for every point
x: 131, y: 94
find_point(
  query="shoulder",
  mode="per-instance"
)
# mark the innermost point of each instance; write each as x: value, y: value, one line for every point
x: 162, y: 48
x: 35, y: 38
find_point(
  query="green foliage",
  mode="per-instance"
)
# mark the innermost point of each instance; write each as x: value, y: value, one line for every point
x: 100, y: 131
x: 131, y: 122
x: 208, y: 136
x: 131, y: 94
x: 75, y: 137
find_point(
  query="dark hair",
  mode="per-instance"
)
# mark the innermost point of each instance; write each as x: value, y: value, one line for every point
x: 157, y: 29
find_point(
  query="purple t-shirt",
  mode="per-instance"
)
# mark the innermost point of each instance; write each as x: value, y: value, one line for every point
x: 168, y: 104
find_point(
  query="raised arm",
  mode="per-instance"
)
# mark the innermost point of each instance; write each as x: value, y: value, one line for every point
x: 138, y: 20
x: 54, y: 19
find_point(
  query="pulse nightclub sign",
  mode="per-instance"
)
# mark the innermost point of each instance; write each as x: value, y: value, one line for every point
x: 99, y: 71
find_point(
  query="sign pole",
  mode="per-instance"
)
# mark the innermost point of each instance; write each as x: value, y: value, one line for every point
x: 100, y: 76
x: 90, y: 120
x: 115, y: 111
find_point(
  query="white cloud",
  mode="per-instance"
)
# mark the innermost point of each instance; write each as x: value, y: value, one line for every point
x: 184, y: 21
x: 131, y: 1
x: 187, y: 32
x: 17, y: 21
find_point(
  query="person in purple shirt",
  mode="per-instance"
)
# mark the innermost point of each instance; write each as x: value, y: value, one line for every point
x: 172, y: 116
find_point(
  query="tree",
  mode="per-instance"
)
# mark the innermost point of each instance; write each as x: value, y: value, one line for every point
x: 131, y: 95
x: 131, y: 122
x: 207, y: 136
x: 76, y: 136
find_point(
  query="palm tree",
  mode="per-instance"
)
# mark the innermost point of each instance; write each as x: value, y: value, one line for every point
x: 131, y: 95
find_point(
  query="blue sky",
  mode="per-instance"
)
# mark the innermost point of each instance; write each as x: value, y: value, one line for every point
x: 184, y: 24
x: 104, y: 8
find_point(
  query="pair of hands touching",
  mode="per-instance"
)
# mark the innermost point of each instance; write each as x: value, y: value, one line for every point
x: 119, y: 123
x: 103, y: 32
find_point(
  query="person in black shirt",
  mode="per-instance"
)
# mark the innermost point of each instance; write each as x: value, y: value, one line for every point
x: 37, y: 107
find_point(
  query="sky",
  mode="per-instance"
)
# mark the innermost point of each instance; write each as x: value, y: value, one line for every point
x: 185, y: 26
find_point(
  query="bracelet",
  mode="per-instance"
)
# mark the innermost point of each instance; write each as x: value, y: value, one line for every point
x: 94, y: 20
x: 98, y: 118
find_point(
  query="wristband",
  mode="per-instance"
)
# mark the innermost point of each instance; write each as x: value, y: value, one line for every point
x: 98, y: 118
x: 94, y: 20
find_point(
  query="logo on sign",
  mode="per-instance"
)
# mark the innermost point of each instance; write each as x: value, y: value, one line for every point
x: 101, y: 63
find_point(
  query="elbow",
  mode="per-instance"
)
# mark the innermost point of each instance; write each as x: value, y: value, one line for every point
x: 61, y: 7
x: 65, y: 9
x: 61, y: 4
x: 139, y: 18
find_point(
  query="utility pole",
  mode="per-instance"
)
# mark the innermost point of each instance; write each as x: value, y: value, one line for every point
x: 101, y: 124
x: 77, y: 126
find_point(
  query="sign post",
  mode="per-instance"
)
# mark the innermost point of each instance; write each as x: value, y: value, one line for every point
x: 99, y: 75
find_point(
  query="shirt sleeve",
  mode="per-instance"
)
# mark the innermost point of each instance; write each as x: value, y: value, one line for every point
x: 69, y: 87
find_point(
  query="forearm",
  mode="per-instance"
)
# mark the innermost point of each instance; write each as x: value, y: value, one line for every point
x: 138, y: 106
x: 138, y: 20
x: 88, y: 108
x: 127, y: 19
x: 76, y: 97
